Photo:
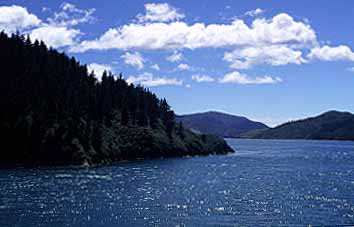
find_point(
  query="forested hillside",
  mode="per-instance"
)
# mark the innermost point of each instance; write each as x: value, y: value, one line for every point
x: 53, y: 111
x: 332, y: 125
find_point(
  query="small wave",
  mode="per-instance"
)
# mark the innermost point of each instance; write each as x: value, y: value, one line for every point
x: 102, y: 177
x: 219, y: 208
x: 63, y: 175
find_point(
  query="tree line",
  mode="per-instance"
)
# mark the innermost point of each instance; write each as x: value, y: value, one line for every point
x: 47, y: 97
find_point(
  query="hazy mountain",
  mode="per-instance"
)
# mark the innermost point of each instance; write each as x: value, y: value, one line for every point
x: 220, y: 124
x: 332, y: 125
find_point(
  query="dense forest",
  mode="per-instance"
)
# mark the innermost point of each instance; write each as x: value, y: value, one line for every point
x: 331, y: 125
x: 53, y: 111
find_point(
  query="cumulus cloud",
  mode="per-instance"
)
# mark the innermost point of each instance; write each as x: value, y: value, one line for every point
x: 17, y: 18
x: 183, y: 66
x: 202, y: 78
x: 279, y: 40
x: 175, y: 57
x: 99, y: 69
x: 159, y: 12
x: 327, y: 53
x: 57, y: 31
x: 255, y: 12
x: 134, y: 59
x: 55, y: 36
x: 281, y: 29
x: 148, y: 79
x: 273, y: 55
x: 240, y: 78
x: 60, y: 31
x: 155, y: 66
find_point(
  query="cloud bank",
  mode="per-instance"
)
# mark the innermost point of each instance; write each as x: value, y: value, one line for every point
x: 277, y: 41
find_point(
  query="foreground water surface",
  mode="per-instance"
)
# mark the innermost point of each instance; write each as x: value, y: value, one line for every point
x: 265, y: 183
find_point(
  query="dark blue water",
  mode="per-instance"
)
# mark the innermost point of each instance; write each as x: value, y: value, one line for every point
x: 266, y: 183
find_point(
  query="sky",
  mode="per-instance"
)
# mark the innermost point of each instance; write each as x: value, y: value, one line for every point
x: 271, y: 61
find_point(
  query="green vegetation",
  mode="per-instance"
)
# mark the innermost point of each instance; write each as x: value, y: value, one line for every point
x: 332, y: 125
x: 55, y: 112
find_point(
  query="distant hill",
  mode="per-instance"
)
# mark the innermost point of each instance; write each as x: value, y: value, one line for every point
x: 219, y: 124
x: 332, y: 125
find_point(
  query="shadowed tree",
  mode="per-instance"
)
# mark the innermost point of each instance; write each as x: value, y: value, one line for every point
x: 50, y: 98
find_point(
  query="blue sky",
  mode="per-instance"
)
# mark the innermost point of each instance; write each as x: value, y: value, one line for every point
x: 271, y: 61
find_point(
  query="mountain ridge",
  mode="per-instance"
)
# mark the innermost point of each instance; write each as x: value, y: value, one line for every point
x: 329, y: 125
x: 218, y: 123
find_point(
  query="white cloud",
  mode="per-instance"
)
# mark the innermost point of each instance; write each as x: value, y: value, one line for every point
x: 99, y: 69
x: 279, y: 40
x: 58, y: 32
x: 255, y: 12
x: 70, y: 15
x: 46, y: 9
x: 147, y: 79
x: 155, y: 66
x: 202, y: 78
x: 273, y: 55
x: 13, y: 18
x: 175, y: 57
x: 351, y: 69
x: 183, y: 66
x: 281, y: 29
x: 188, y: 86
x: 327, y: 53
x: 55, y: 36
x: 160, y: 12
x: 240, y: 78
x: 134, y: 59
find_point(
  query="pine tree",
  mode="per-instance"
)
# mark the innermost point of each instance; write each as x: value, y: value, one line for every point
x: 125, y: 116
x: 180, y: 130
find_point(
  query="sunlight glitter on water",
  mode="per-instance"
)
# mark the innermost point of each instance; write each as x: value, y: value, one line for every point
x: 267, y: 183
